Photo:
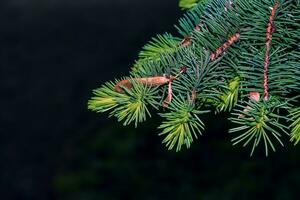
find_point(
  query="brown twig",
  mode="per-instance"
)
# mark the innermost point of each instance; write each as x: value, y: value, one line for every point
x: 270, y: 30
x: 187, y: 41
x: 151, y: 82
x: 225, y: 46
x: 169, y: 97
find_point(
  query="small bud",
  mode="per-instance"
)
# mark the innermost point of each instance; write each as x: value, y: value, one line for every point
x: 187, y: 41
x: 254, y: 96
x: 183, y: 69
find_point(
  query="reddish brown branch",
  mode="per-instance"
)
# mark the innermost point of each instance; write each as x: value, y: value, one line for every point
x: 270, y: 30
x: 194, y: 96
x: 225, y: 46
x: 151, y: 82
x: 169, y: 97
x: 187, y: 41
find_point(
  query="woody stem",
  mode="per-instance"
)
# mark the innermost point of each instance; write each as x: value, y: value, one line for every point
x: 270, y: 30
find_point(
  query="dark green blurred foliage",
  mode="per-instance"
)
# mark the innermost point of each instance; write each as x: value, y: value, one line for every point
x: 125, y: 163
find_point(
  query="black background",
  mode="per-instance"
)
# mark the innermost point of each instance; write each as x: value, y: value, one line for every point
x: 52, y: 54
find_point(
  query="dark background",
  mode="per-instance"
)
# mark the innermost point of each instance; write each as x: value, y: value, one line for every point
x: 52, y: 54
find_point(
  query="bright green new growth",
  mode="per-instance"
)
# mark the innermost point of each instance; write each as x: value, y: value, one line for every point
x: 260, y: 121
x: 181, y: 125
x: 295, y: 115
x: 129, y: 107
x: 231, y: 67
x: 188, y: 4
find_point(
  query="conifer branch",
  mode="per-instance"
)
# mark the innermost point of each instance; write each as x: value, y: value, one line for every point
x: 225, y: 46
x: 202, y: 72
x: 182, y: 125
x: 148, y: 81
x: 270, y: 30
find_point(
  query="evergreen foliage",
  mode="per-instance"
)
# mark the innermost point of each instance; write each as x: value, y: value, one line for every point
x: 234, y: 56
x: 189, y: 4
x: 129, y: 107
x: 295, y: 125
x: 181, y: 124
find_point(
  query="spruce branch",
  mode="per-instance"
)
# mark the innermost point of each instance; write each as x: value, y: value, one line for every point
x: 130, y: 105
x: 270, y: 30
x: 259, y: 121
x: 225, y: 46
x: 182, y: 125
x: 234, y: 55
x: 105, y: 98
x: 159, y: 45
x: 228, y: 97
